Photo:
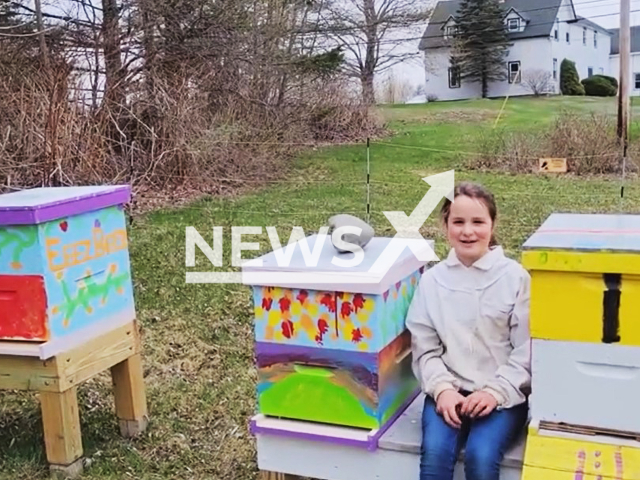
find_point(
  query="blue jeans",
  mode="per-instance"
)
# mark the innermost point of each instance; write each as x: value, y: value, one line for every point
x: 486, y: 439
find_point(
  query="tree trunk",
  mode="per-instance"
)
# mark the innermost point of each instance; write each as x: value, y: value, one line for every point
x: 43, y: 41
x: 114, y: 88
x: 485, y: 84
x: 368, y: 93
x: 148, y: 43
x: 371, y: 59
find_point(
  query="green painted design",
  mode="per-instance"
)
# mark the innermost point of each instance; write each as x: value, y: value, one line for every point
x: 317, y: 371
x: 544, y: 258
x: 24, y: 238
x: 88, y: 291
x: 324, y: 402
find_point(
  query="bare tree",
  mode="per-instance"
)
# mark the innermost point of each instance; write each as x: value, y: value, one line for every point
x: 375, y: 35
x: 538, y: 81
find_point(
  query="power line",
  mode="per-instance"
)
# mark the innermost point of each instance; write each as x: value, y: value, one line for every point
x: 422, y: 37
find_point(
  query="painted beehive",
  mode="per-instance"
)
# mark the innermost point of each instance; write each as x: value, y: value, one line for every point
x: 64, y: 262
x: 550, y: 456
x: 585, y: 299
x: 331, y: 342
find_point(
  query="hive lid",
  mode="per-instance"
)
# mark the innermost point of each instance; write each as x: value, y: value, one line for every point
x: 385, y: 262
x: 44, y: 204
x: 587, y: 232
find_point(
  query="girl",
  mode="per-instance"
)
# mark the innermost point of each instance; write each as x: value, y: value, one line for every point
x: 469, y: 321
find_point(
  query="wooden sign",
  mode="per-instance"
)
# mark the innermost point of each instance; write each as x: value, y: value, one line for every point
x: 556, y: 165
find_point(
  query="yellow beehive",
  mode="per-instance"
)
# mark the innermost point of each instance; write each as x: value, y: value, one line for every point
x: 585, y: 272
x: 585, y: 299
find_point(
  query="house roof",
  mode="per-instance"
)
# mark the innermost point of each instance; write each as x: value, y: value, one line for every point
x: 585, y: 22
x: 541, y: 19
x: 615, y: 40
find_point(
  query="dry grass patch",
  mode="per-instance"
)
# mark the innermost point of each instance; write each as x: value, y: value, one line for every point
x: 587, y: 141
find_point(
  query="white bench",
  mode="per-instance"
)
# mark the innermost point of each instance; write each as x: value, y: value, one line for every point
x: 397, y: 456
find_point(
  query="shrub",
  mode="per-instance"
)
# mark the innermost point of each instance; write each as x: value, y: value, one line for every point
x: 612, y: 80
x: 588, y: 142
x: 597, y: 86
x: 569, y: 79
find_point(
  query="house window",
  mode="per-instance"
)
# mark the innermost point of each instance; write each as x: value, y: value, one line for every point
x: 555, y: 69
x: 568, y: 38
x: 514, y: 72
x: 451, y: 31
x: 454, y: 77
x: 590, y: 72
x: 601, y: 71
x: 556, y: 31
x: 514, y: 24
x: 636, y: 78
x: 595, y: 39
x: 584, y: 35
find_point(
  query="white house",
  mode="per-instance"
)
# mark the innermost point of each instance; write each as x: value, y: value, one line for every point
x: 543, y: 33
x: 614, y: 65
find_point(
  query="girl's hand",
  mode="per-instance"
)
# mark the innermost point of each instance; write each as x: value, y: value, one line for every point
x: 447, y: 405
x: 478, y: 404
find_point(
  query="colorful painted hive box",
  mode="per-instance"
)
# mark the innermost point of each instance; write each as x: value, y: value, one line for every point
x: 64, y: 261
x: 585, y: 278
x: 331, y: 342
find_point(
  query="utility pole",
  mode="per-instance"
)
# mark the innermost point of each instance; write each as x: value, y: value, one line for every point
x: 625, y: 75
x: 625, y: 78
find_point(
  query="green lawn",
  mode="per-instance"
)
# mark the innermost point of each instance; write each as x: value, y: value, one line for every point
x: 198, y: 342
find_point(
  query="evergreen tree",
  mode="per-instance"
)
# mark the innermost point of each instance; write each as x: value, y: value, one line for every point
x: 569, y: 79
x: 482, y: 42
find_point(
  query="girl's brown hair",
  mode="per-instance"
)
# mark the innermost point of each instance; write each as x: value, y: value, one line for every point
x: 476, y: 191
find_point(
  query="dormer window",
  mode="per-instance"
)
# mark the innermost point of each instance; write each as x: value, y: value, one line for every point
x: 451, y: 31
x: 514, y: 21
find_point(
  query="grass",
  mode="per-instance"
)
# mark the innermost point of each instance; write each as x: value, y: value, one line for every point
x: 198, y: 339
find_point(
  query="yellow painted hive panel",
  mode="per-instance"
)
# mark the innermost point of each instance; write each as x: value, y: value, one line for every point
x: 584, y: 458
x: 579, y: 307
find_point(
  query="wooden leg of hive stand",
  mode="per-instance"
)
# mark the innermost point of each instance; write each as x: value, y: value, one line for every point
x: 62, y: 436
x: 130, y: 396
x: 264, y: 475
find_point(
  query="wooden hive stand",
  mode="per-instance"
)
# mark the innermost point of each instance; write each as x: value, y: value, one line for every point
x: 56, y: 380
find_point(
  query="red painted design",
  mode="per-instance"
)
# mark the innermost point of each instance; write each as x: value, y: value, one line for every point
x: 323, y: 327
x: 64, y: 226
x: 345, y: 309
x: 329, y: 301
x: 266, y: 303
x: 356, y: 335
x: 285, y: 303
x: 23, y: 307
x: 358, y: 302
x: 302, y: 296
x: 385, y: 295
x: 287, y: 328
